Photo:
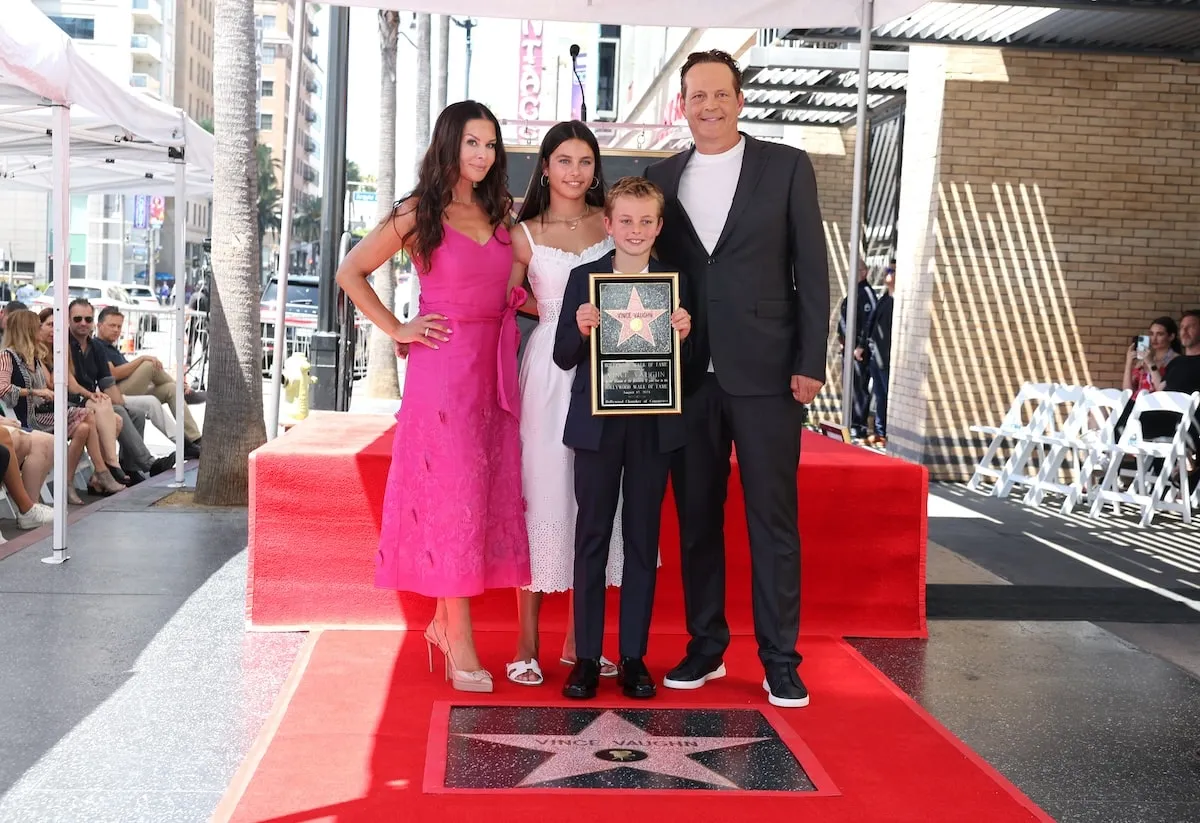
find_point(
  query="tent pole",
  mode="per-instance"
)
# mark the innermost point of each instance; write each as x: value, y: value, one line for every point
x: 181, y: 282
x: 856, y: 207
x: 285, y: 224
x: 61, y: 213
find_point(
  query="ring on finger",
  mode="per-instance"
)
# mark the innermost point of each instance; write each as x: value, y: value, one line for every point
x: 426, y: 332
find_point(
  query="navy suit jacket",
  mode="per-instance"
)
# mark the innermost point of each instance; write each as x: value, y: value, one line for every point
x: 572, y: 351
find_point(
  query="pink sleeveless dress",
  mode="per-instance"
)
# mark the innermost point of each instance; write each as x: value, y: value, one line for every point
x: 453, y: 514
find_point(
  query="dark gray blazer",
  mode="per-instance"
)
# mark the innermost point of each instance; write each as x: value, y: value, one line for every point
x: 760, y: 301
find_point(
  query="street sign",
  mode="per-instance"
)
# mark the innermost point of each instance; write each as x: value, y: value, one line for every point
x: 363, y: 197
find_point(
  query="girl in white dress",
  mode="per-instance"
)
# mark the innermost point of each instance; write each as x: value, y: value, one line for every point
x: 561, y: 226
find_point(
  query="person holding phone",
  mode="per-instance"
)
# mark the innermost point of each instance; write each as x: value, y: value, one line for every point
x: 1148, y: 355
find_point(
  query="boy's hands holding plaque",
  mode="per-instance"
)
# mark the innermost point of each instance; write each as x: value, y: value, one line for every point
x: 588, y: 318
x: 681, y: 322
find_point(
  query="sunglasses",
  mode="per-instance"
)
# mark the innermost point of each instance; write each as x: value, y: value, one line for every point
x: 81, y: 319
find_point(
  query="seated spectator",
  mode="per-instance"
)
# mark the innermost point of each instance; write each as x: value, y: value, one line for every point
x: 30, y: 514
x: 105, y: 421
x: 1141, y: 365
x: 25, y: 389
x: 13, y: 306
x: 91, y: 378
x: 1182, y: 374
x: 143, y: 375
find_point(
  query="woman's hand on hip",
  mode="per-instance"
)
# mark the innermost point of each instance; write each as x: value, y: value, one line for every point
x: 425, y: 329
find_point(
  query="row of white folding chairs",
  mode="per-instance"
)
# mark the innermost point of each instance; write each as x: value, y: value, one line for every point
x: 1085, y: 445
x: 1159, y: 479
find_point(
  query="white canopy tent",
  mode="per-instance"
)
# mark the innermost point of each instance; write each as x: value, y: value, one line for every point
x: 62, y: 123
x: 864, y: 14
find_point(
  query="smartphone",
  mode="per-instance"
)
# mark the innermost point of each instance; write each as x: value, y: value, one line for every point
x: 1143, y: 342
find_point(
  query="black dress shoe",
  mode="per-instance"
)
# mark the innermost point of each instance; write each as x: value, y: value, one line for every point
x: 583, y: 680
x: 635, y: 678
x: 694, y: 671
x: 191, y: 449
x: 784, y: 687
x: 162, y: 464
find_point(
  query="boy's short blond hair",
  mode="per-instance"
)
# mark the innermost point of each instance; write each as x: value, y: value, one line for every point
x: 638, y: 188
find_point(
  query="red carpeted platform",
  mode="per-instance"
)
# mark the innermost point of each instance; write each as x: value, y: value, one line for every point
x: 316, y: 501
x: 348, y: 743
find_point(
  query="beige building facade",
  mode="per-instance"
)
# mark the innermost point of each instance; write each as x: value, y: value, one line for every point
x: 1048, y: 212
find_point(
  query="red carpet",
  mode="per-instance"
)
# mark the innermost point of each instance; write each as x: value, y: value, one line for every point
x: 350, y: 745
x: 862, y: 524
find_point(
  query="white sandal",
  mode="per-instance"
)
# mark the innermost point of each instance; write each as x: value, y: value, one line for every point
x: 607, y: 667
x: 523, y: 667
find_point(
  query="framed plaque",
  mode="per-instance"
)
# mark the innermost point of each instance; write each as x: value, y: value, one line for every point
x: 635, y: 352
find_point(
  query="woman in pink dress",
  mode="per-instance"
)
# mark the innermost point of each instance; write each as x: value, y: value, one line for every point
x: 453, y: 514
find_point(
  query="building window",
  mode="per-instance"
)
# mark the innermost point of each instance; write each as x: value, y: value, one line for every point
x: 265, y: 122
x: 78, y: 28
x: 268, y: 55
x: 606, y: 79
x: 268, y: 88
x: 268, y: 21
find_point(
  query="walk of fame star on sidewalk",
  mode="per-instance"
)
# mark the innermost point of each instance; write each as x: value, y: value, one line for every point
x: 547, y: 748
x: 623, y: 743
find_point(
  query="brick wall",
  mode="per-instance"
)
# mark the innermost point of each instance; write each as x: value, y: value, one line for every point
x: 1050, y: 213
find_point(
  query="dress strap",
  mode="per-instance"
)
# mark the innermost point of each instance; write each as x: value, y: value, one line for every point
x: 525, y: 229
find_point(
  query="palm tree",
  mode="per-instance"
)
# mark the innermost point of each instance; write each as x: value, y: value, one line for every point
x: 233, y: 424
x: 424, y: 34
x: 382, y: 378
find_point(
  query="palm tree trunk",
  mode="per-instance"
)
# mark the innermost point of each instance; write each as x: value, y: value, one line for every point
x: 443, y: 80
x: 382, y: 379
x: 424, y: 34
x: 233, y: 422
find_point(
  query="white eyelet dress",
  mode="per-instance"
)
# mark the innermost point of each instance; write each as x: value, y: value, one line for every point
x: 547, y: 466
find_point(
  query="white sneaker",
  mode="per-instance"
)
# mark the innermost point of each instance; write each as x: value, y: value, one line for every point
x: 38, y: 515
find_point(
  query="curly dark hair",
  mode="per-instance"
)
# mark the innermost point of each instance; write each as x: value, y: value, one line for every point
x: 440, y: 172
x: 537, y: 196
x: 710, y: 56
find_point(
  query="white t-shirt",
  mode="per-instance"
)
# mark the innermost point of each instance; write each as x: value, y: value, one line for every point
x: 706, y: 191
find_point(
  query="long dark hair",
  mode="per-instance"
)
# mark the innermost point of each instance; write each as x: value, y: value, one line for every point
x: 440, y: 172
x: 1172, y: 328
x: 537, y: 196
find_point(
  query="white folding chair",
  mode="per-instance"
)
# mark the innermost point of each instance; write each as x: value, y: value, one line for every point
x: 1059, y: 406
x: 1014, y: 427
x: 1079, y: 448
x: 1151, y: 492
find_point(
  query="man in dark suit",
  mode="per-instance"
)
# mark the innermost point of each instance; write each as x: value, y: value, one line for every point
x: 628, y: 453
x: 879, y: 353
x: 861, y: 384
x: 742, y: 219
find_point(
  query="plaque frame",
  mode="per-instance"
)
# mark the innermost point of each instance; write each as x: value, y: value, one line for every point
x: 597, y: 360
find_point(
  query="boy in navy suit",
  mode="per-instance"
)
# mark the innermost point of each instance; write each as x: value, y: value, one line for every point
x: 616, y: 453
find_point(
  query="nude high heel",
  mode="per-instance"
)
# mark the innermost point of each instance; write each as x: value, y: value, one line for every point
x: 477, y: 681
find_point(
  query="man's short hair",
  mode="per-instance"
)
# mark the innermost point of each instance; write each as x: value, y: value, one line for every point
x: 710, y: 56
x: 109, y: 311
x: 1191, y: 313
x: 80, y: 301
x: 639, y: 188
x: 14, y: 305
